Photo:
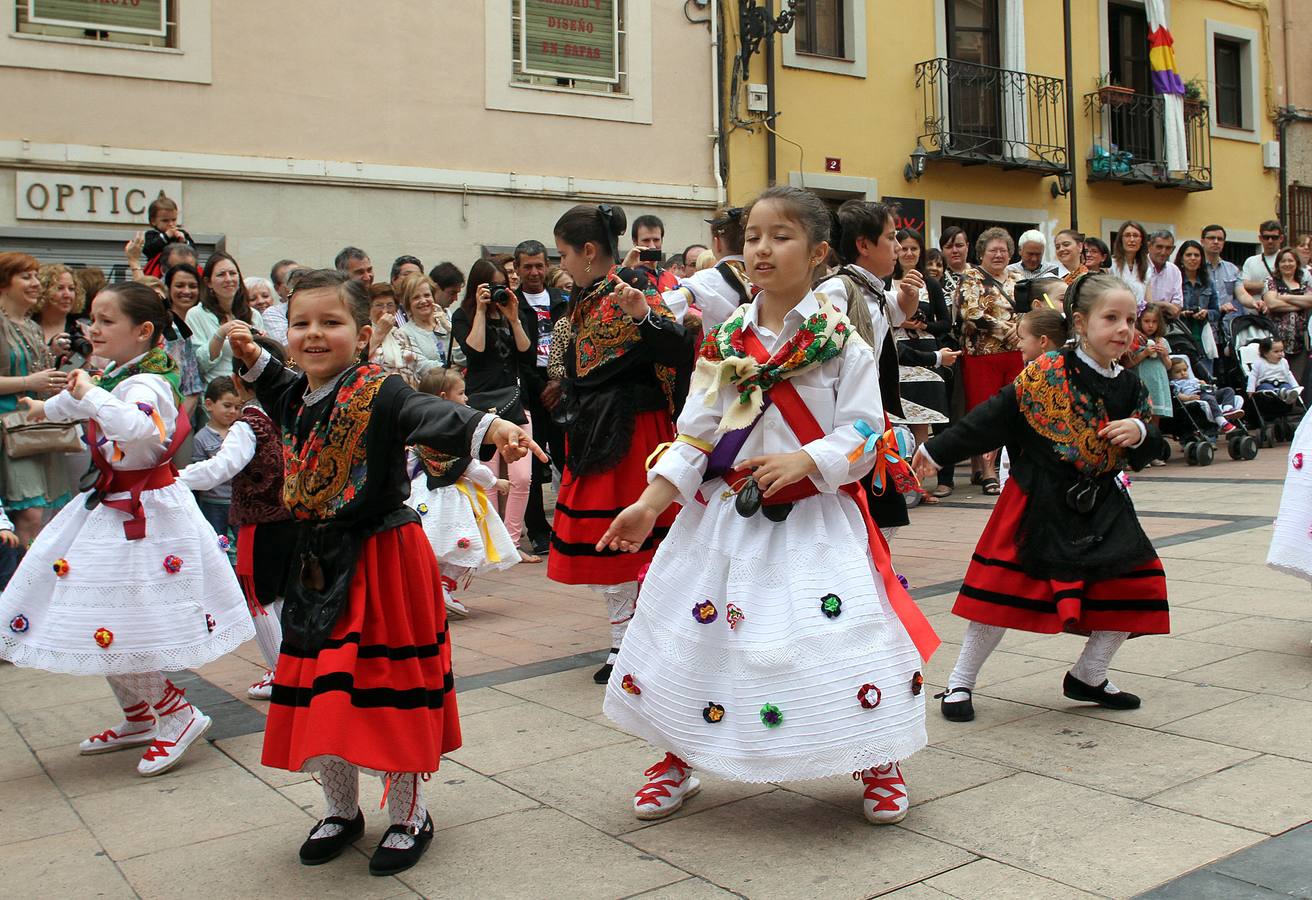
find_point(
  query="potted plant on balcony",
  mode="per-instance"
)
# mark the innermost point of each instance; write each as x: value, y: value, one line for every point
x: 1112, y: 94
x: 1193, y: 99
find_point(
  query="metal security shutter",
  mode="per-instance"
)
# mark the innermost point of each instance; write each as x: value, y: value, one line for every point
x: 83, y: 247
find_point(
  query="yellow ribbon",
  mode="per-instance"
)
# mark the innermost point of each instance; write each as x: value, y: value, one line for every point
x: 655, y: 455
x: 478, y: 503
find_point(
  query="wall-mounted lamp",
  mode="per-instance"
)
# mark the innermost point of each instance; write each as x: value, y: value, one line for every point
x: 914, y: 169
x: 1063, y: 185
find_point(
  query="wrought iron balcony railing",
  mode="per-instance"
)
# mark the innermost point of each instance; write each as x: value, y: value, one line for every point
x: 981, y: 115
x: 1129, y: 140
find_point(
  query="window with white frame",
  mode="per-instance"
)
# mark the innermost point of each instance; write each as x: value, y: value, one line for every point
x: 143, y: 23
x: 819, y: 29
x: 828, y: 36
x: 577, y: 49
x: 1233, y: 81
x: 1228, y: 56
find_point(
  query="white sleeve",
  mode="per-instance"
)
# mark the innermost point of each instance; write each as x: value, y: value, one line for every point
x: 481, y: 475
x: 120, y: 419
x: 254, y: 372
x: 833, y: 289
x: 858, y: 386
x: 682, y: 464
x: 235, y: 454
x: 480, y: 432
x: 895, y: 314
x: 713, y: 294
x: 5, y: 524
x: 676, y: 301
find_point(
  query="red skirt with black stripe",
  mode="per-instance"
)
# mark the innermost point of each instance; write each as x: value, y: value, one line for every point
x: 587, y: 504
x: 996, y: 590
x: 379, y: 693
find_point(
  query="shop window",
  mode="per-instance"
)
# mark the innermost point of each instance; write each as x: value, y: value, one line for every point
x: 145, y: 23
x: 570, y: 48
x: 820, y: 29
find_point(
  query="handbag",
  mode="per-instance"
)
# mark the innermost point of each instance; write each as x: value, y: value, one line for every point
x: 24, y: 438
x: 504, y: 402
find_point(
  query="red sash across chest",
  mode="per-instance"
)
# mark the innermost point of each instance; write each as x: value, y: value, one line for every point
x: 804, y: 425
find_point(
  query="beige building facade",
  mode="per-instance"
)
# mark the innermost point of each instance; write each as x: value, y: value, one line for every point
x: 400, y: 126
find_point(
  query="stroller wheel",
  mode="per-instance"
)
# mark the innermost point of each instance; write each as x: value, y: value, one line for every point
x: 1191, y: 453
x: 1247, y: 447
x: 1205, y: 453
x: 1232, y: 447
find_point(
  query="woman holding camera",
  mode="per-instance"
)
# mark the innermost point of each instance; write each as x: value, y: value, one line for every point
x: 499, y: 339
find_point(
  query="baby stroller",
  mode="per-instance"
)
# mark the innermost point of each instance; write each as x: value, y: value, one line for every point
x: 1182, y: 343
x: 1275, y: 417
x: 1191, y: 425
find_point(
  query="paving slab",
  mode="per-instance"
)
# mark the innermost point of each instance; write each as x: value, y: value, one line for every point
x: 1267, y: 793
x: 1164, y: 699
x: 155, y: 814
x: 257, y: 863
x: 534, y: 853
x: 1065, y: 832
x: 781, y: 845
x: 1119, y: 759
x: 998, y: 881
x: 524, y: 733
x: 1262, y: 722
x: 32, y: 807
x: 60, y: 866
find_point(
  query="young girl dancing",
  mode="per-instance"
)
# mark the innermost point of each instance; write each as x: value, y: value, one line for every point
x: 618, y: 407
x: 364, y: 677
x: 128, y: 579
x: 1289, y: 533
x: 1041, y: 330
x: 773, y: 640
x: 1063, y: 550
x: 450, y: 495
x: 250, y: 459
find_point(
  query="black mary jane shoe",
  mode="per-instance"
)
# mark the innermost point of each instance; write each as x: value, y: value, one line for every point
x: 602, y: 675
x: 958, y: 711
x: 1075, y: 689
x: 391, y: 860
x: 317, y: 851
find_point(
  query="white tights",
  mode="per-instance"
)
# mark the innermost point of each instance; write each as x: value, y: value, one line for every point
x: 341, y: 790
x: 981, y: 640
x: 621, y: 601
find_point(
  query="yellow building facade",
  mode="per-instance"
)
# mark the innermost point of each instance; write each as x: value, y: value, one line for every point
x: 974, y: 91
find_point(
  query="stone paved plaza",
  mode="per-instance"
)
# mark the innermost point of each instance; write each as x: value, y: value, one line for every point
x: 1037, y: 797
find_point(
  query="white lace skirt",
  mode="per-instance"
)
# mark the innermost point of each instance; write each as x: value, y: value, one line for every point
x: 117, y: 608
x: 709, y: 691
x: 1291, y: 535
x: 452, y: 527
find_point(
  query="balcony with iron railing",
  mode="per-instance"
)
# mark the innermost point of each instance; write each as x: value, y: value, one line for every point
x: 982, y: 115
x: 1129, y: 140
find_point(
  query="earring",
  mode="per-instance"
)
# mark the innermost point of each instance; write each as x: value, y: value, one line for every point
x: 588, y: 269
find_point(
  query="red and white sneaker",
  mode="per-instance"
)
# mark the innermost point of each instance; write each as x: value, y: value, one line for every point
x: 262, y: 689
x: 886, y: 801
x: 180, y: 725
x: 670, y: 783
x: 136, y: 730
x: 454, y: 608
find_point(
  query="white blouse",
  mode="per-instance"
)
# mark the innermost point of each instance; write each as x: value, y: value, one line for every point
x: 124, y: 418
x: 838, y: 393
